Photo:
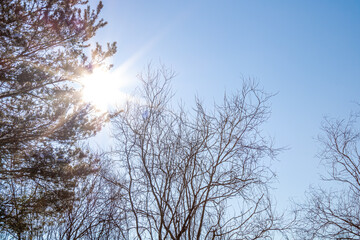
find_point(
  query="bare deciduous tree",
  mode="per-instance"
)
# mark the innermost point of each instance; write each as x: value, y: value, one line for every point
x: 95, y: 212
x: 335, y: 213
x: 199, y: 175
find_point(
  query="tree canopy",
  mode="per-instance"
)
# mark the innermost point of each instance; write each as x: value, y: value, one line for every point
x: 43, y: 53
x: 175, y: 173
x: 334, y: 213
x: 199, y: 174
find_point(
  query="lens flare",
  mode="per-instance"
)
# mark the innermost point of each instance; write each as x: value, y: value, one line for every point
x: 102, y: 89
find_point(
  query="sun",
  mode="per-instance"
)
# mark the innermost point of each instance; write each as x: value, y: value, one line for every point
x: 102, y: 89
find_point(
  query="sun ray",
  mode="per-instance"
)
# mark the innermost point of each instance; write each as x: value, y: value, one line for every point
x: 101, y: 88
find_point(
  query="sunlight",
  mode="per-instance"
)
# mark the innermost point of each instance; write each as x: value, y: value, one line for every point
x: 102, y: 89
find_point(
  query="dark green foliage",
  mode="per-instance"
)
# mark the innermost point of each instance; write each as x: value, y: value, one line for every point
x: 43, y: 48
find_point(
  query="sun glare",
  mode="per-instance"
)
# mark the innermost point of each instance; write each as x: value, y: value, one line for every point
x: 102, y: 89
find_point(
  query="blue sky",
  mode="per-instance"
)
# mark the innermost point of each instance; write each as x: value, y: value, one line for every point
x: 308, y: 52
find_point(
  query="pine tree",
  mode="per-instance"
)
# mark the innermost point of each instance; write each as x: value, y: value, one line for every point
x: 43, y: 46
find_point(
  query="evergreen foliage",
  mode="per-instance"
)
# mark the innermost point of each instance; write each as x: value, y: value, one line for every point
x: 43, y: 53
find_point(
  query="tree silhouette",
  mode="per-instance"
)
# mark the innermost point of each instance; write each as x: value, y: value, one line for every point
x: 335, y: 213
x: 43, y: 48
x: 198, y: 175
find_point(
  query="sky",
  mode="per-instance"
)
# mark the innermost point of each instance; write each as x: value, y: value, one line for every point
x: 307, y: 52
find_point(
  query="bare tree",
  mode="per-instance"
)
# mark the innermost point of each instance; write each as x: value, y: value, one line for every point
x: 95, y: 212
x: 335, y: 213
x: 199, y: 175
